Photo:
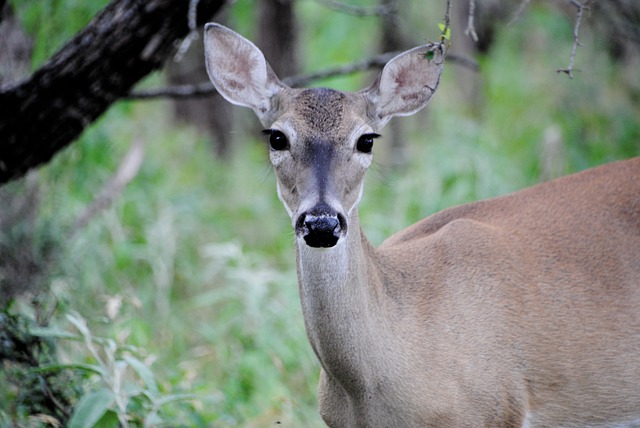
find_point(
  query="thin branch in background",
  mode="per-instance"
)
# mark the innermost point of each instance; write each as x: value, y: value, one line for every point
x: 377, y: 61
x: 193, y: 31
x: 207, y: 89
x: 444, y: 36
x: 126, y: 172
x: 471, y: 29
x: 518, y: 14
x: 51, y: 396
x: 581, y: 7
x: 203, y: 89
x: 447, y: 15
x: 463, y: 61
x: 379, y: 10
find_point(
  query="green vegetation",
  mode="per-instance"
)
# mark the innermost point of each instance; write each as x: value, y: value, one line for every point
x: 178, y: 306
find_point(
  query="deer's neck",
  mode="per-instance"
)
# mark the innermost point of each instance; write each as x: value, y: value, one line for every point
x: 340, y: 294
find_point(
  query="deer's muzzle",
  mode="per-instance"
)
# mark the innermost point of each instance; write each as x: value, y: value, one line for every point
x: 321, y: 227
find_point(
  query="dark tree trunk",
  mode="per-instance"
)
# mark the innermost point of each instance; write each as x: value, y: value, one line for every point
x: 124, y: 43
x: 278, y: 35
x: 211, y: 115
x: 393, y: 40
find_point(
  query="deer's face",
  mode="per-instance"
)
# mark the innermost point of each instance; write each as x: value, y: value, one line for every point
x: 320, y: 149
x: 320, y: 139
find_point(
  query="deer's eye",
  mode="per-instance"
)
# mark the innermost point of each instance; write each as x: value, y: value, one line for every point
x: 277, y: 140
x: 365, y: 142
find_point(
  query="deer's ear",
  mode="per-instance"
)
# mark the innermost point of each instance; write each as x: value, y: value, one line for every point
x: 239, y: 71
x: 406, y: 83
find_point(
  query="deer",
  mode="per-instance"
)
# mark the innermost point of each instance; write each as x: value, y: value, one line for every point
x: 517, y: 311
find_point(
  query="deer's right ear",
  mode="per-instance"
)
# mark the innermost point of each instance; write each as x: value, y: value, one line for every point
x: 240, y: 72
x: 406, y: 83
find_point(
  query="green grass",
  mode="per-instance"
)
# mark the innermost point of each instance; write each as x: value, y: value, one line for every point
x: 213, y: 302
x: 191, y: 270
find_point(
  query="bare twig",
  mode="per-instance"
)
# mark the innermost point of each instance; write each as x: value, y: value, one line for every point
x: 447, y: 22
x: 518, y: 14
x: 463, y: 61
x: 193, y: 31
x: 378, y: 61
x: 471, y: 29
x: 207, y: 89
x: 203, y: 89
x: 126, y: 172
x: 51, y: 396
x: 379, y: 10
x: 374, y: 62
x: 581, y: 7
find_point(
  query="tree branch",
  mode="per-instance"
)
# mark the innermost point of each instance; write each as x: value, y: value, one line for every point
x: 204, y: 89
x: 518, y: 14
x: 581, y: 7
x: 377, y: 61
x: 193, y: 30
x: 126, y: 172
x: 379, y: 10
x: 445, y: 30
x: 471, y: 29
x: 122, y: 44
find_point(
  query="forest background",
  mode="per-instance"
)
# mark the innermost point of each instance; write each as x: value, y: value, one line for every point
x: 147, y: 272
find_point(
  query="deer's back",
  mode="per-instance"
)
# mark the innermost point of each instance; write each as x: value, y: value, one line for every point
x: 546, y: 284
x: 586, y: 223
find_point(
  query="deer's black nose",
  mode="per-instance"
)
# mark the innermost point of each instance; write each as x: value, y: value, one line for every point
x: 321, y: 227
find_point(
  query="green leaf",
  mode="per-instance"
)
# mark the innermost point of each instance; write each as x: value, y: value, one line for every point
x: 54, y: 333
x: 91, y: 408
x: 108, y: 420
x: 89, y: 368
x: 79, y: 323
x: 143, y: 371
x: 173, y: 398
x: 444, y: 31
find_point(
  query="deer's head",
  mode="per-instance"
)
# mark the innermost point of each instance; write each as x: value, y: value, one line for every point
x: 320, y: 139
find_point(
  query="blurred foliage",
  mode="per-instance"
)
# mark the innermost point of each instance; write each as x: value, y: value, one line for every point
x: 53, y: 22
x: 190, y: 273
x: 31, y: 389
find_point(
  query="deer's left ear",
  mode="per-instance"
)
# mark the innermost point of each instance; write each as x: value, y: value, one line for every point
x: 406, y: 83
x: 239, y: 71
